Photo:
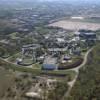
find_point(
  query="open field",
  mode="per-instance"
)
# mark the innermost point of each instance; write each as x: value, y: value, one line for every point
x: 76, y: 25
x: 6, y: 80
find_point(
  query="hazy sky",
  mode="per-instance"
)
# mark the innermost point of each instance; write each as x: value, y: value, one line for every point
x: 70, y: 1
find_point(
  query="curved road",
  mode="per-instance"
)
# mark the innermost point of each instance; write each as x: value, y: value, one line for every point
x: 71, y: 84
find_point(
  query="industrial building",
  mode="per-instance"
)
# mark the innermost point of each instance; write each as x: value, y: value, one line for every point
x: 49, y: 67
x: 87, y: 35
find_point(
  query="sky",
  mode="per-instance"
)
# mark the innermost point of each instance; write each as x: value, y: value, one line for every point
x: 69, y: 1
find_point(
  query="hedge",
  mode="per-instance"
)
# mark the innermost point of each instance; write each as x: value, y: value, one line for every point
x: 72, y: 65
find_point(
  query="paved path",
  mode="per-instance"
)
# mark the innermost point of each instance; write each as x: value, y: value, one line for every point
x: 71, y: 84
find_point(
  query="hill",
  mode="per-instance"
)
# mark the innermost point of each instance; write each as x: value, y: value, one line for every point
x: 87, y: 86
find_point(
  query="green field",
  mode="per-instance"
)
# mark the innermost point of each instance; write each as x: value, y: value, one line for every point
x: 90, y: 20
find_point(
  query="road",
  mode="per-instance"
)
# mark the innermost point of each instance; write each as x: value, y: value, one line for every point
x: 71, y: 84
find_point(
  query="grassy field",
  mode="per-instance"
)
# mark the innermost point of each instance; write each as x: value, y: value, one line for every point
x: 90, y: 20
x: 70, y: 74
x: 3, y: 52
x: 6, y: 80
x: 14, y: 57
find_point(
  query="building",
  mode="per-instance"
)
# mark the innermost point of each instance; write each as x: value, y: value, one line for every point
x: 88, y: 36
x: 67, y: 57
x: 49, y: 67
x: 61, y: 42
x: 30, y: 51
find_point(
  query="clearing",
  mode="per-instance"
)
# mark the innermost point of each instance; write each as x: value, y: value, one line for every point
x: 76, y: 25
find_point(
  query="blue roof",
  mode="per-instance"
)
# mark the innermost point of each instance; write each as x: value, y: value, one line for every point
x: 49, y: 66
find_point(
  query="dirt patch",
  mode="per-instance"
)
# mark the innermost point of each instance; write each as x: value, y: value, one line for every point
x: 76, y: 25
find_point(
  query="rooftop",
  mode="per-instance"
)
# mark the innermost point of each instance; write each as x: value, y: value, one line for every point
x: 49, y: 66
